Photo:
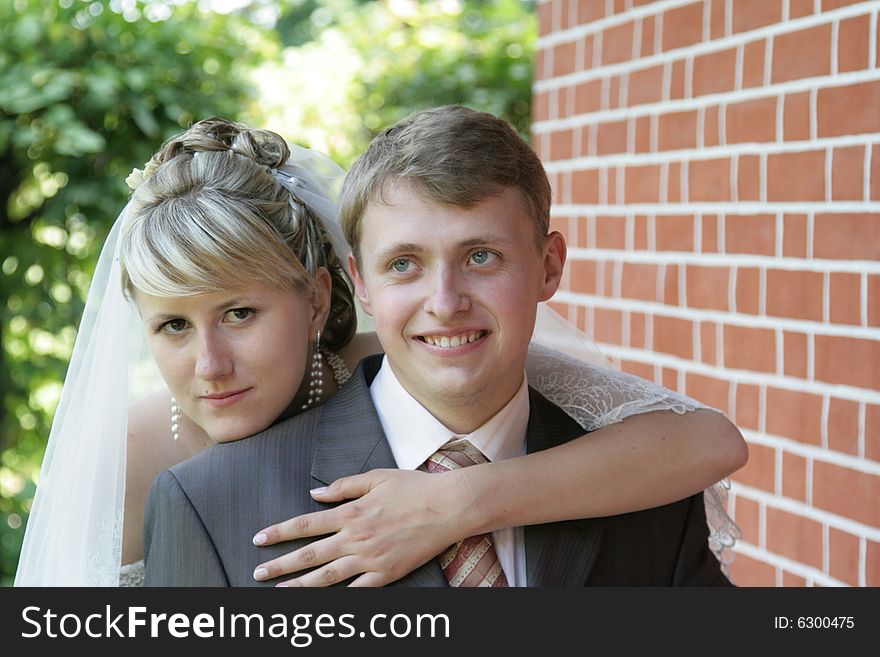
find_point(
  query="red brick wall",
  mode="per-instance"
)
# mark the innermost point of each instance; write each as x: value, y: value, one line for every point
x: 716, y: 171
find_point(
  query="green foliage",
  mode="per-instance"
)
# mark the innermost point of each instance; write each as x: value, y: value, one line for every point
x: 375, y: 62
x: 85, y: 95
x: 477, y: 54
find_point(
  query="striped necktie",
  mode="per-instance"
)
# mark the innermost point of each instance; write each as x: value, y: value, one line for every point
x: 472, y: 561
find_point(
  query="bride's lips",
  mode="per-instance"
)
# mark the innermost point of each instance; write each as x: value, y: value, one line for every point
x: 223, y: 399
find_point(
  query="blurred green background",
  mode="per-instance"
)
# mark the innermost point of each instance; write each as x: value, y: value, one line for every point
x: 89, y: 89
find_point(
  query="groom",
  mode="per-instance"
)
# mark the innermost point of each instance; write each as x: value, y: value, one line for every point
x: 447, y: 213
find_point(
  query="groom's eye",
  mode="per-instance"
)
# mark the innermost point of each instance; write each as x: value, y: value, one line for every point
x: 482, y: 257
x: 401, y: 265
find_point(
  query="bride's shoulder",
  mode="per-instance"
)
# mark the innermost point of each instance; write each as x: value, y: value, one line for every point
x: 141, y: 412
x: 151, y: 447
x: 147, y: 417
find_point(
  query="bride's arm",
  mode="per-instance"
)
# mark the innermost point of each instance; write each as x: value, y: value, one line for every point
x: 657, y: 447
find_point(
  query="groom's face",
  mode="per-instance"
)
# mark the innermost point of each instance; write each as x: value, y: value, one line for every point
x: 454, y: 291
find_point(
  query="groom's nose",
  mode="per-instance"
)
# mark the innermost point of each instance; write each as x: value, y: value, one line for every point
x: 214, y: 359
x: 446, y: 294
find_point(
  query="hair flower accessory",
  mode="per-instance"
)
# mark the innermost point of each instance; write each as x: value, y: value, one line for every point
x: 135, y: 178
x: 138, y: 176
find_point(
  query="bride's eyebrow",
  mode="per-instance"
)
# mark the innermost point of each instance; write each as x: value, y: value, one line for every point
x: 234, y: 301
x: 223, y: 305
x: 163, y: 317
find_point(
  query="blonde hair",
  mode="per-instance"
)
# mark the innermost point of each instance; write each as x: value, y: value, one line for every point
x: 211, y: 216
x: 451, y: 155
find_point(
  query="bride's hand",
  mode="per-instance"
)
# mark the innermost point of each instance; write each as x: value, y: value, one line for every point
x: 396, y: 521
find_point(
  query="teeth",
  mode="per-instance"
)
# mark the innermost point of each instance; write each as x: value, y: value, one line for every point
x: 445, y: 342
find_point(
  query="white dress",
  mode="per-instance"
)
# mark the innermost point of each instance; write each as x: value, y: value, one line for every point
x: 132, y: 574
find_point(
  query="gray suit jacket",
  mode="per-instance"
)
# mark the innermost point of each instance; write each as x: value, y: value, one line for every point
x: 202, y: 513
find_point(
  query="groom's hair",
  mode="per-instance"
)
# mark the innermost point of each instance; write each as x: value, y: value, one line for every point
x: 450, y: 155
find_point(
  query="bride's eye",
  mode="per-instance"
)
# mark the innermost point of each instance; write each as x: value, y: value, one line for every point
x: 238, y: 315
x: 173, y: 326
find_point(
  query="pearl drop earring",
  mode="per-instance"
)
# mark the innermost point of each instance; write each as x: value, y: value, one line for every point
x: 175, y: 419
x: 316, y: 376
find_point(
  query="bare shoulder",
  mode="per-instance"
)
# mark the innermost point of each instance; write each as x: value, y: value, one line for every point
x: 151, y: 446
x: 361, y: 346
x: 148, y: 417
x: 147, y: 455
x: 149, y: 429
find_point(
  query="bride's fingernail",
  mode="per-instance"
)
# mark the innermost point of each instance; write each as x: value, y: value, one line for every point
x: 318, y: 491
x: 261, y: 574
x: 260, y: 539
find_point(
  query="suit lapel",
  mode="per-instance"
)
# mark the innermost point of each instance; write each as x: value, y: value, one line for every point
x: 350, y: 440
x: 559, y: 553
x: 349, y: 437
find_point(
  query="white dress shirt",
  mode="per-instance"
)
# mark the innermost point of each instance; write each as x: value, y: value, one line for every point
x: 414, y: 434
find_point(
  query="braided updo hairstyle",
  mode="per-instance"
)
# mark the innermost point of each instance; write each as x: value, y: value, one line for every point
x: 211, y: 215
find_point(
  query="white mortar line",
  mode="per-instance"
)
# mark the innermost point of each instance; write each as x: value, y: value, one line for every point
x: 866, y: 140
x: 724, y: 259
x: 740, y: 209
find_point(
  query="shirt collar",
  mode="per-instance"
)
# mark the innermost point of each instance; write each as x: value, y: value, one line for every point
x: 414, y: 434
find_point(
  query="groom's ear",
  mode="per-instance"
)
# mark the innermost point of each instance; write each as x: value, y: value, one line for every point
x: 360, y: 289
x: 554, y: 253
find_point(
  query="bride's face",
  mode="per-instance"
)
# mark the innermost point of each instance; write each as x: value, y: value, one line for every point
x: 235, y: 361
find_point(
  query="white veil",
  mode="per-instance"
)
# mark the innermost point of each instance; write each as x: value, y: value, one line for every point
x: 74, y: 531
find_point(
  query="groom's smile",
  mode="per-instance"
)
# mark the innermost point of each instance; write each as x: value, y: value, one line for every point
x: 450, y: 340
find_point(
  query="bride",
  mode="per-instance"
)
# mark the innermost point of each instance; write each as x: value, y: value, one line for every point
x: 231, y: 213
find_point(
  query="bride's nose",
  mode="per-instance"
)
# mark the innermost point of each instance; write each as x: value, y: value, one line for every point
x: 214, y: 359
